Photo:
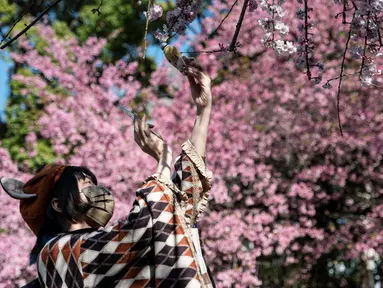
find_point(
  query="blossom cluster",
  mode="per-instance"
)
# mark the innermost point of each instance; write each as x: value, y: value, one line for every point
x: 155, y: 12
x: 273, y: 24
x: 177, y: 19
x: 365, y: 35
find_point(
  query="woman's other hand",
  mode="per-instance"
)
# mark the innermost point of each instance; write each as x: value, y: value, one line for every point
x: 200, y: 84
x: 149, y: 142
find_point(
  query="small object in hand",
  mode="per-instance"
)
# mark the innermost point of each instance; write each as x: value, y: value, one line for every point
x: 128, y: 112
x: 175, y: 58
x: 134, y: 116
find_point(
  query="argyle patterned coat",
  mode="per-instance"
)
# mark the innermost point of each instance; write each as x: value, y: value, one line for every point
x: 152, y: 247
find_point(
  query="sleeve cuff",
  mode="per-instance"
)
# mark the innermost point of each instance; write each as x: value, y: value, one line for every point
x: 168, y: 183
x: 206, y: 178
x: 199, y: 163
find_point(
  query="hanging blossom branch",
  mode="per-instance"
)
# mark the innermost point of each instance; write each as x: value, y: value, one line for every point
x: 342, y: 68
x: 30, y: 25
x: 153, y: 13
x: 185, y: 13
x: 371, y: 37
x: 148, y: 15
x: 341, y: 73
x: 306, y: 49
x: 178, y: 18
x: 364, y: 25
x: 273, y: 24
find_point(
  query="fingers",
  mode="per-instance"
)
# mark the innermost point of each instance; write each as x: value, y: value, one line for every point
x: 193, y: 67
x: 194, y: 74
x: 136, y: 124
x: 193, y: 81
x: 137, y: 134
x: 144, y: 128
x: 142, y: 132
x: 187, y: 60
x: 196, y: 64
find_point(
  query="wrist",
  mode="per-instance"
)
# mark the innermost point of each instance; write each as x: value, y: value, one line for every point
x: 204, y: 111
x: 164, y: 163
x: 164, y: 153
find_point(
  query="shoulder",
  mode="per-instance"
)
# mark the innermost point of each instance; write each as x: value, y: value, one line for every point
x: 156, y: 188
x: 60, y: 255
x: 64, y: 245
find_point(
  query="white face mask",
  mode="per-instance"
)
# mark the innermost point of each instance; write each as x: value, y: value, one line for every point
x: 101, y: 204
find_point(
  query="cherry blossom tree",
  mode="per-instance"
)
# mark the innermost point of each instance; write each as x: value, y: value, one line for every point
x: 290, y: 192
x: 293, y: 204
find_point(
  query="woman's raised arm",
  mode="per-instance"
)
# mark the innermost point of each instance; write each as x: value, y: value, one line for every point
x: 200, y: 86
x: 191, y: 175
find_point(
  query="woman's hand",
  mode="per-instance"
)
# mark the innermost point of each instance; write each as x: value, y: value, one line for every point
x: 200, y: 84
x: 149, y: 142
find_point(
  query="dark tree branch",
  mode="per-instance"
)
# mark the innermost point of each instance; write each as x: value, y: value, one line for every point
x: 341, y: 73
x: 306, y: 41
x: 14, y: 24
x: 365, y: 45
x: 171, y: 27
x: 379, y: 35
x: 146, y: 27
x: 98, y: 9
x: 342, y: 76
x: 220, y: 24
x: 30, y: 25
x: 233, y: 43
x: 201, y: 52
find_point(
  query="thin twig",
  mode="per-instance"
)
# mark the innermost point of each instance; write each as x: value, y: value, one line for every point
x: 98, y: 8
x: 341, y: 73
x: 30, y: 25
x: 365, y: 45
x: 216, y: 29
x: 200, y: 52
x: 308, y: 72
x: 146, y: 27
x: 175, y: 21
x: 344, y: 12
x: 238, y: 27
x: 14, y: 24
x: 379, y: 36
x: 344, y: 75
x: 174, y: 34
x: 171, y: 27
x: 273, y: 30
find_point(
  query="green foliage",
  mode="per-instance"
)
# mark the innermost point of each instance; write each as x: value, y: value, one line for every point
x: 7, y: 11
x: 62, y: 30
x: 22, y: 113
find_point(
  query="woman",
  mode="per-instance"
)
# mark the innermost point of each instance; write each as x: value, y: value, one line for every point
x: 153, y: 246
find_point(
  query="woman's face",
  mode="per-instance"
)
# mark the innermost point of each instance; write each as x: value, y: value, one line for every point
x: 101, y: 210
x: 82, y: 183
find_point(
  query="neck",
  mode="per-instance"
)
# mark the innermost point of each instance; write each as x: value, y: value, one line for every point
x: 78, y: 226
